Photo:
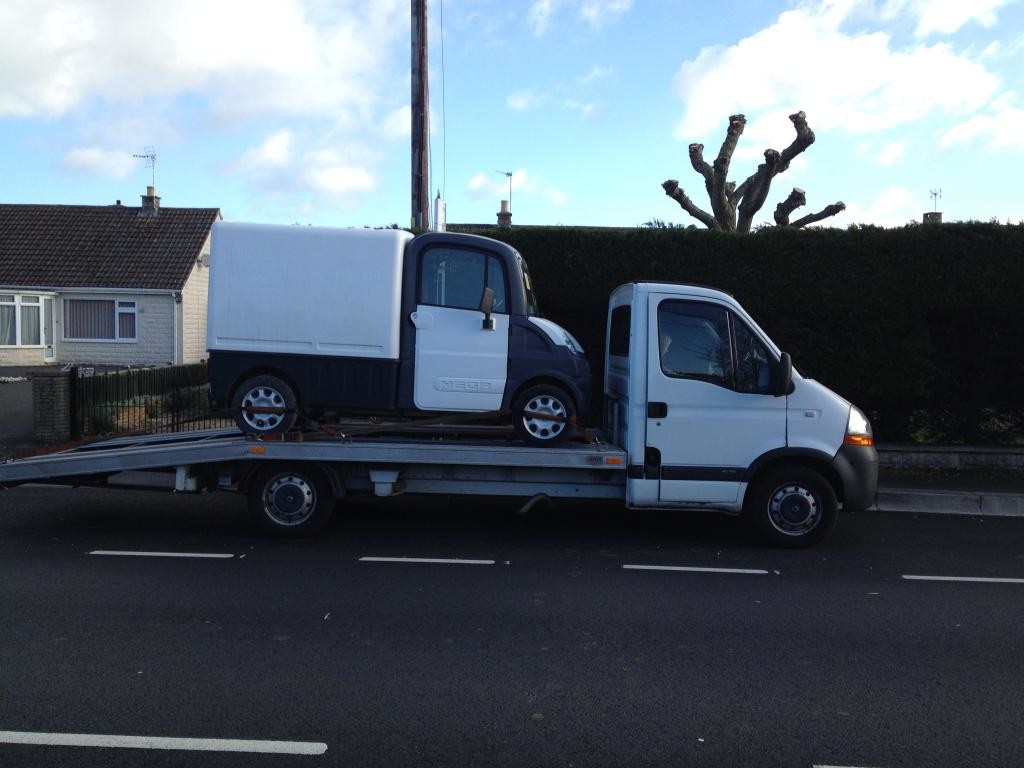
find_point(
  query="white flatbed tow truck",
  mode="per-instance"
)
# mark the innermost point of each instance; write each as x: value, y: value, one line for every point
x: 701, y: 411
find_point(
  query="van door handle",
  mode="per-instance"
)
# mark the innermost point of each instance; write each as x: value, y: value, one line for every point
x: 657, y: 410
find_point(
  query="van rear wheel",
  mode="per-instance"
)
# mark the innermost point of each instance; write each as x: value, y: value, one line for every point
x: 264, y: 405
x: 544, y: 415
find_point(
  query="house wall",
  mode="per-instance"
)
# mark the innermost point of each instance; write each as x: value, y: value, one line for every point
x: 155, y: 329
x: 21, y: 356
x: 194, y: 308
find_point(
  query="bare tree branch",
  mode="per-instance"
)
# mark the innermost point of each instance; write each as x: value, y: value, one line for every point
x: 757, y: 191
x: 700, y: 165
x: 723, y: 207
x: 796, y: 199
x: 824, y: 213
x: 804, y: 139
x: 672, y: 190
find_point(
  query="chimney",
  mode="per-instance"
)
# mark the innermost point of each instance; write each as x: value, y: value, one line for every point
x: 150, y: 203
x: 933, y: 217
x: 504, y: 216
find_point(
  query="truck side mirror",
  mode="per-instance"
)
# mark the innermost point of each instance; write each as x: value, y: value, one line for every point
x: 486, y: 305
x: 783, y: 376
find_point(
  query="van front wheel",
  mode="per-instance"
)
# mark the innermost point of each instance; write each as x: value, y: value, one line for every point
x: 544, y: 415
x: 791, y: 507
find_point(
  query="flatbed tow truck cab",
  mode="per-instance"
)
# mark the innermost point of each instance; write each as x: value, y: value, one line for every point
x: 711, y: 413
x: 306, y: 320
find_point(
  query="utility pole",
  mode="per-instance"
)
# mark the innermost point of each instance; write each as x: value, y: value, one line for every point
x: 420, y: 117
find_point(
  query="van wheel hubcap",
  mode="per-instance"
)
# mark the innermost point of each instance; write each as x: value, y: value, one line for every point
x: 263, y: 397
x: 541, y: 427
x: 793, y: 509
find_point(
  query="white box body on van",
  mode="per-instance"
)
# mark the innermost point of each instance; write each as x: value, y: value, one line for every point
x: 306, y: 291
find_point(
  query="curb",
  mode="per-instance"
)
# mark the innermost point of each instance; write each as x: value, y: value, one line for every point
x: 950, y: 503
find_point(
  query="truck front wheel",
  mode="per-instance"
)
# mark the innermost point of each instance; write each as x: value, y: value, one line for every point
x: 290, y: 501
x: 791, y: 507
x: 264, y: 405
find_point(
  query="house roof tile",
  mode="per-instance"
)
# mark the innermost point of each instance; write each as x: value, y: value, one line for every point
x: 94, y: 246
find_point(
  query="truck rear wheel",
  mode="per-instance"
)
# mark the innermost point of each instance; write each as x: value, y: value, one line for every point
x: 791, y: 507
x: 264, y: 405
x: 290, y: 501
x: 544, y: 415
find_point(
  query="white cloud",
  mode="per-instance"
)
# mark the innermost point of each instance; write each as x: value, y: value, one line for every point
x: 398, y: 123
x: 586, y: 109
x: 854, y: 82
x: 523, y: 100
x: 496, y: 184
x: 243, y: 57
x: 597, y: 12
x: 274, y: 152
x: 1002, y: 130
x: 539, y: 15
x: 891, y: 153
x: 556, y: 197
x: 113, y: 163
x: 597, y: 72
x: 893, y: 207
x: 341, y: 180
x: 945, y: 17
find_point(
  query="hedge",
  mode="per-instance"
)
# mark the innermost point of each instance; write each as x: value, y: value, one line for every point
x: 920, y: 326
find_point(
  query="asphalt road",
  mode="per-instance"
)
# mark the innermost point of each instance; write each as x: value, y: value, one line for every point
x: 546, y: 650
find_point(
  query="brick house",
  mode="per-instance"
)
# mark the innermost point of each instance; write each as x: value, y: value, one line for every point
x: 104, y: 285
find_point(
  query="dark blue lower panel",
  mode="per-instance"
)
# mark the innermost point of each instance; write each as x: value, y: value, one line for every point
x: 342, y: 383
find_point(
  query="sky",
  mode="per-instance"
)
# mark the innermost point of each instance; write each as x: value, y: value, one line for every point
x: 297, y: 111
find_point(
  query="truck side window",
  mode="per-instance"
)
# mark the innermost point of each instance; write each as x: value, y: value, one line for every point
x: 452, y: 277
x: 618, y: 333
x: 753, y: 371
x: 693, y: 340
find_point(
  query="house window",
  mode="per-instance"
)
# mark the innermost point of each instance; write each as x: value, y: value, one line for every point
x: 100, y: 320
x: 20, y: 320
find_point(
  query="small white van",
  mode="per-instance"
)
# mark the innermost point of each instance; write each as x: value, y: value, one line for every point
x: 304, y: 320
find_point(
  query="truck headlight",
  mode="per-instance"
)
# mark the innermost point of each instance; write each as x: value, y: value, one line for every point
x: 858, y: 429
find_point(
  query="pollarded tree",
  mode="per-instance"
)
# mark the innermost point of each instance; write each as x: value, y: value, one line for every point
x: 733, y: 208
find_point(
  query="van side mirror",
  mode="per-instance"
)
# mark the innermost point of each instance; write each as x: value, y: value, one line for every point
x: 486, y: 305
x: 783, y: 376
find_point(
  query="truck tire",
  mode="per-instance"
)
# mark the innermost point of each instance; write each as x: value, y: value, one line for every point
x: 791, y: 507
x: 531, y: 408
x: 290, y: 501
x: 264, y: 391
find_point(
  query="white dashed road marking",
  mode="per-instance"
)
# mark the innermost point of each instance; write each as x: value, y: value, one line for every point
x: 692, y: 569
x: 119, y: 553
x: 435, y: 560
x: 160, y: 742
x: 977, y: 579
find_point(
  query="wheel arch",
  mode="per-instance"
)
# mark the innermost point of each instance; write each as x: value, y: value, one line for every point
x: 551, y: 379
x: 263, y: 370
x: 806, y: 458
x: 250, y: 470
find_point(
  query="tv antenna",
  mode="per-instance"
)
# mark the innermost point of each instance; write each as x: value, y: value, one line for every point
x: 936, y: 196
x: 509, y: 175
x: 149, y: 155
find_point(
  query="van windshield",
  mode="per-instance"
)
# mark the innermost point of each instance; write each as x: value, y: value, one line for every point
x: 532, y: 307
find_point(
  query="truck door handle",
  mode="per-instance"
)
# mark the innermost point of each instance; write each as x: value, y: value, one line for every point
x: 657, y: 410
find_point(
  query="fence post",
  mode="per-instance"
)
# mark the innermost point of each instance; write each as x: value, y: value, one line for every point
x: 74, y: 404
x: 51, y: 411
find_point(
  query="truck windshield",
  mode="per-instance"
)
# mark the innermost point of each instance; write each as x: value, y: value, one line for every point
x: 532, y: 307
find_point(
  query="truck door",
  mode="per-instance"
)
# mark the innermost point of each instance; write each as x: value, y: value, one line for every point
x: 711, y: 411
x: 460, y: 364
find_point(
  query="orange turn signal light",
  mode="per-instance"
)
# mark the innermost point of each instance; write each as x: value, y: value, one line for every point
x: 616, y: 460
x: 259, y: 450
x: 859, y: 440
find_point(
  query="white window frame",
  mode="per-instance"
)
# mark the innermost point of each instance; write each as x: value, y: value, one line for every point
x: 121, y: 307
x: 18, y: 303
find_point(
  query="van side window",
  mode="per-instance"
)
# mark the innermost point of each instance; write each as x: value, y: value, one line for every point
x: 753, y: 370
x: 618, y: 331
x: 452, y: 277
x: 693, y: 340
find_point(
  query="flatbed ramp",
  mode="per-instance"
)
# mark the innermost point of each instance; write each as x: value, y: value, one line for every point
x: 381, y: 465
